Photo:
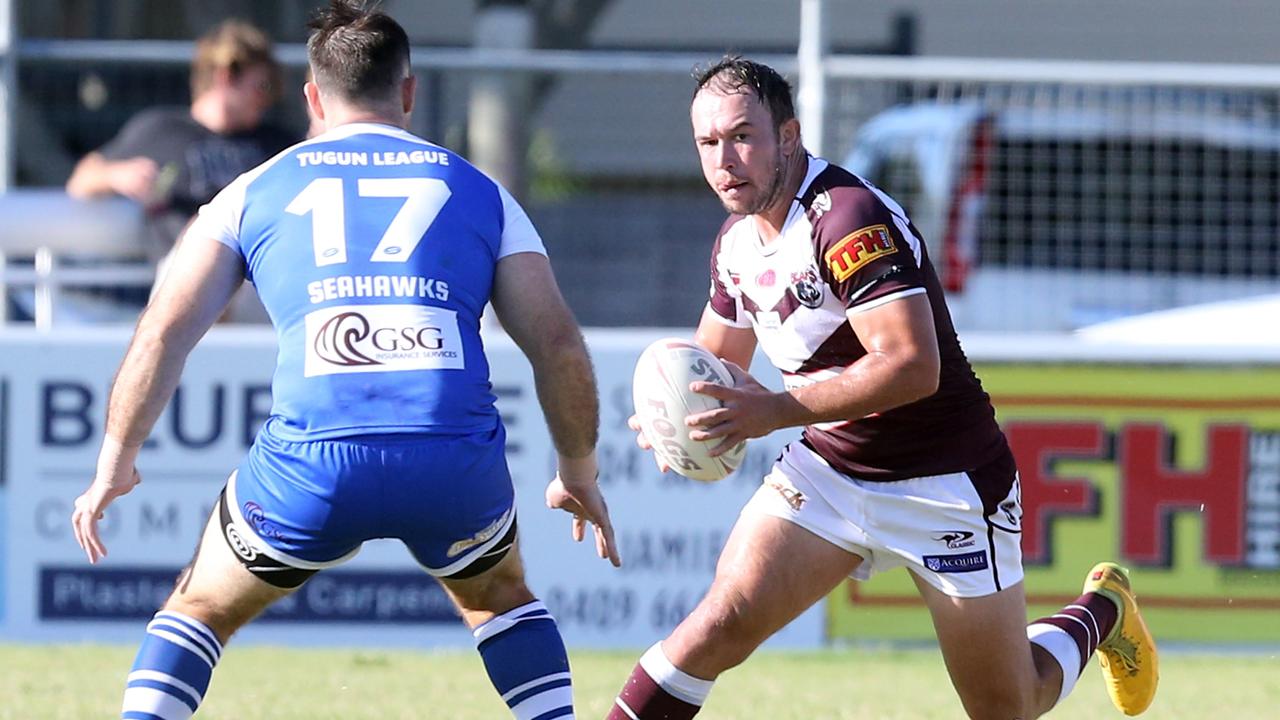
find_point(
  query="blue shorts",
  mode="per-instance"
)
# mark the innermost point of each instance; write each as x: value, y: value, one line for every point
x: 310, y: 505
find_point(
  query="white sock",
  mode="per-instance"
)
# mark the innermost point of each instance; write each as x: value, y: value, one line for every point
x: 678, y: 683
x: 1062, y: 647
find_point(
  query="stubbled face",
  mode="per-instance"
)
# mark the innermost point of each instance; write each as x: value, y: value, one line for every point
x: 742, y: 159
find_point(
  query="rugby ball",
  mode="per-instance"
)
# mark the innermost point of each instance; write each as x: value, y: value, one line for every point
x: 660, y: 390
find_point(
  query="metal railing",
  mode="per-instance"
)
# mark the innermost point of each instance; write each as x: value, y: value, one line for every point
x: 178, y: 52
x: 46, y: 267
x: 838, y: 96
x: 42, y: 227
x: 8, y: 87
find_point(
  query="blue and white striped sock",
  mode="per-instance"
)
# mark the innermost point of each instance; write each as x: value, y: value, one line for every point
x: 527, y: 663
x: 172, y: 670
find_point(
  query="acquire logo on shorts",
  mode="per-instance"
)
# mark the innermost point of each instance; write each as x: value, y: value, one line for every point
x: 962, y: 563
x: 857, y: 249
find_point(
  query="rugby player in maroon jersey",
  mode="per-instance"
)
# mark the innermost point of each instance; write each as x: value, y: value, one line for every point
x: 901, y: 462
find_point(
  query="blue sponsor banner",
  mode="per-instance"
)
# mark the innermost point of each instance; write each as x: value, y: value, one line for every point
x: 962, y: 563
x: 135, y: 593
x: 5, y: 444
x: 4, y: 546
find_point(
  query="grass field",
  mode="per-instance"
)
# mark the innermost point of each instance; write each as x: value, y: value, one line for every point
x: 85, y: 681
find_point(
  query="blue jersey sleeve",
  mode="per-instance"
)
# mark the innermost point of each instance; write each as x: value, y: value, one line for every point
x: 219, y: 220
x: 518, y: 234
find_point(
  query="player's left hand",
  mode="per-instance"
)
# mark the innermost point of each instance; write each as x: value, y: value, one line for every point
x: 749, y: 411
x: 579, y: 494
x: 90, y: 506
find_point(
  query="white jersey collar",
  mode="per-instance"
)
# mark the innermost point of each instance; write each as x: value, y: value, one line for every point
x: 816, y: 166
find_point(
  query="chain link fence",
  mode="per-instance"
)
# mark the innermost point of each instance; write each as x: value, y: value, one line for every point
x: 1052, y: 196
x: 1056, y: 196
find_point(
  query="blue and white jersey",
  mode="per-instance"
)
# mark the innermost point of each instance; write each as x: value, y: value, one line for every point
x: 373, y: 252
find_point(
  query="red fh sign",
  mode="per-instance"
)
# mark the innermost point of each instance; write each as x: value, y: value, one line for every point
x: 1152, y: 488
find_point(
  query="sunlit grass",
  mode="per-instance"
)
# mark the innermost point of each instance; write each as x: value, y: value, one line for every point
x: 85, y: 681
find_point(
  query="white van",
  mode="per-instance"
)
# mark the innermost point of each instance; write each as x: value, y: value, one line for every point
x: 1044, y: 218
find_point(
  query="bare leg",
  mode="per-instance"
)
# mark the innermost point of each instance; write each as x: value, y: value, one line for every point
x: 214, y: 597
x: 219, y: 591
x: 770, y: 571
x: 997, y: 672
x: 761, y: 584
x: 493, y: 592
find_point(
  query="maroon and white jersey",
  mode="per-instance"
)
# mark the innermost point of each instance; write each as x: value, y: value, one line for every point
x: 847, y: 247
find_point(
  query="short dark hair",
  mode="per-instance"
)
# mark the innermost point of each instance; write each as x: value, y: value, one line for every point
x: 356, y: 51
x: 735, y: 74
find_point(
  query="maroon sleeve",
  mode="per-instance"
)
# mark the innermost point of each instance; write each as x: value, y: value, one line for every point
x: 863, y: 252
x: 724, y: 299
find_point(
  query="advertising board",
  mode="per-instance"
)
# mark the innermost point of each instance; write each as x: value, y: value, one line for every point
x: 1172, y: 470
x: 53, y: 391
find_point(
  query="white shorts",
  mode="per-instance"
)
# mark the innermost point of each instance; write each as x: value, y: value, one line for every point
x: 940, y: 527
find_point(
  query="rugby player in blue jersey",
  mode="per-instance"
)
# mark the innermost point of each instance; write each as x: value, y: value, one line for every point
x: 375, y: 253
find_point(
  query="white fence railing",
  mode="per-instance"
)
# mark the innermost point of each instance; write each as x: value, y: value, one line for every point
x: 595, y: 62
x: 1052, y: 194
x: 43, y: 228
x: 8, y: 84
x: 595, y: 70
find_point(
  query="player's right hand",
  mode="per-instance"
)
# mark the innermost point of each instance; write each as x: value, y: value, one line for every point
x: 134, y: 178
x: 633, y: 422
x: 90, y: 506
x: 576, y: 490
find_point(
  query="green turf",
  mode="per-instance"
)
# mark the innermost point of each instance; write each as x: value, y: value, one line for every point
x: 261, y: 682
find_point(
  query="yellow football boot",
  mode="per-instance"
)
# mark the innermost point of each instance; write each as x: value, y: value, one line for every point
x: 1127, y: 655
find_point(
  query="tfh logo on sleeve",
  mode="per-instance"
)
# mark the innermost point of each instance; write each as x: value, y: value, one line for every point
x: 857, y: 249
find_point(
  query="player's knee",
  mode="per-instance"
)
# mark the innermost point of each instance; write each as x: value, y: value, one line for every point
x: 224, y: 624
x: 222, y: 610
x: 999, y: 701
x: 721, y: 632
x: 499, y: 596
x: 494, y: 590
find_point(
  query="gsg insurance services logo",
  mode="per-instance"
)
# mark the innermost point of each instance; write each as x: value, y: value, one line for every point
x: 382, y: 338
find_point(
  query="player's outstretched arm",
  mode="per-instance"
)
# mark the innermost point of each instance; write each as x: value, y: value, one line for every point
x: 200, y: 282
x: 528, y: 302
